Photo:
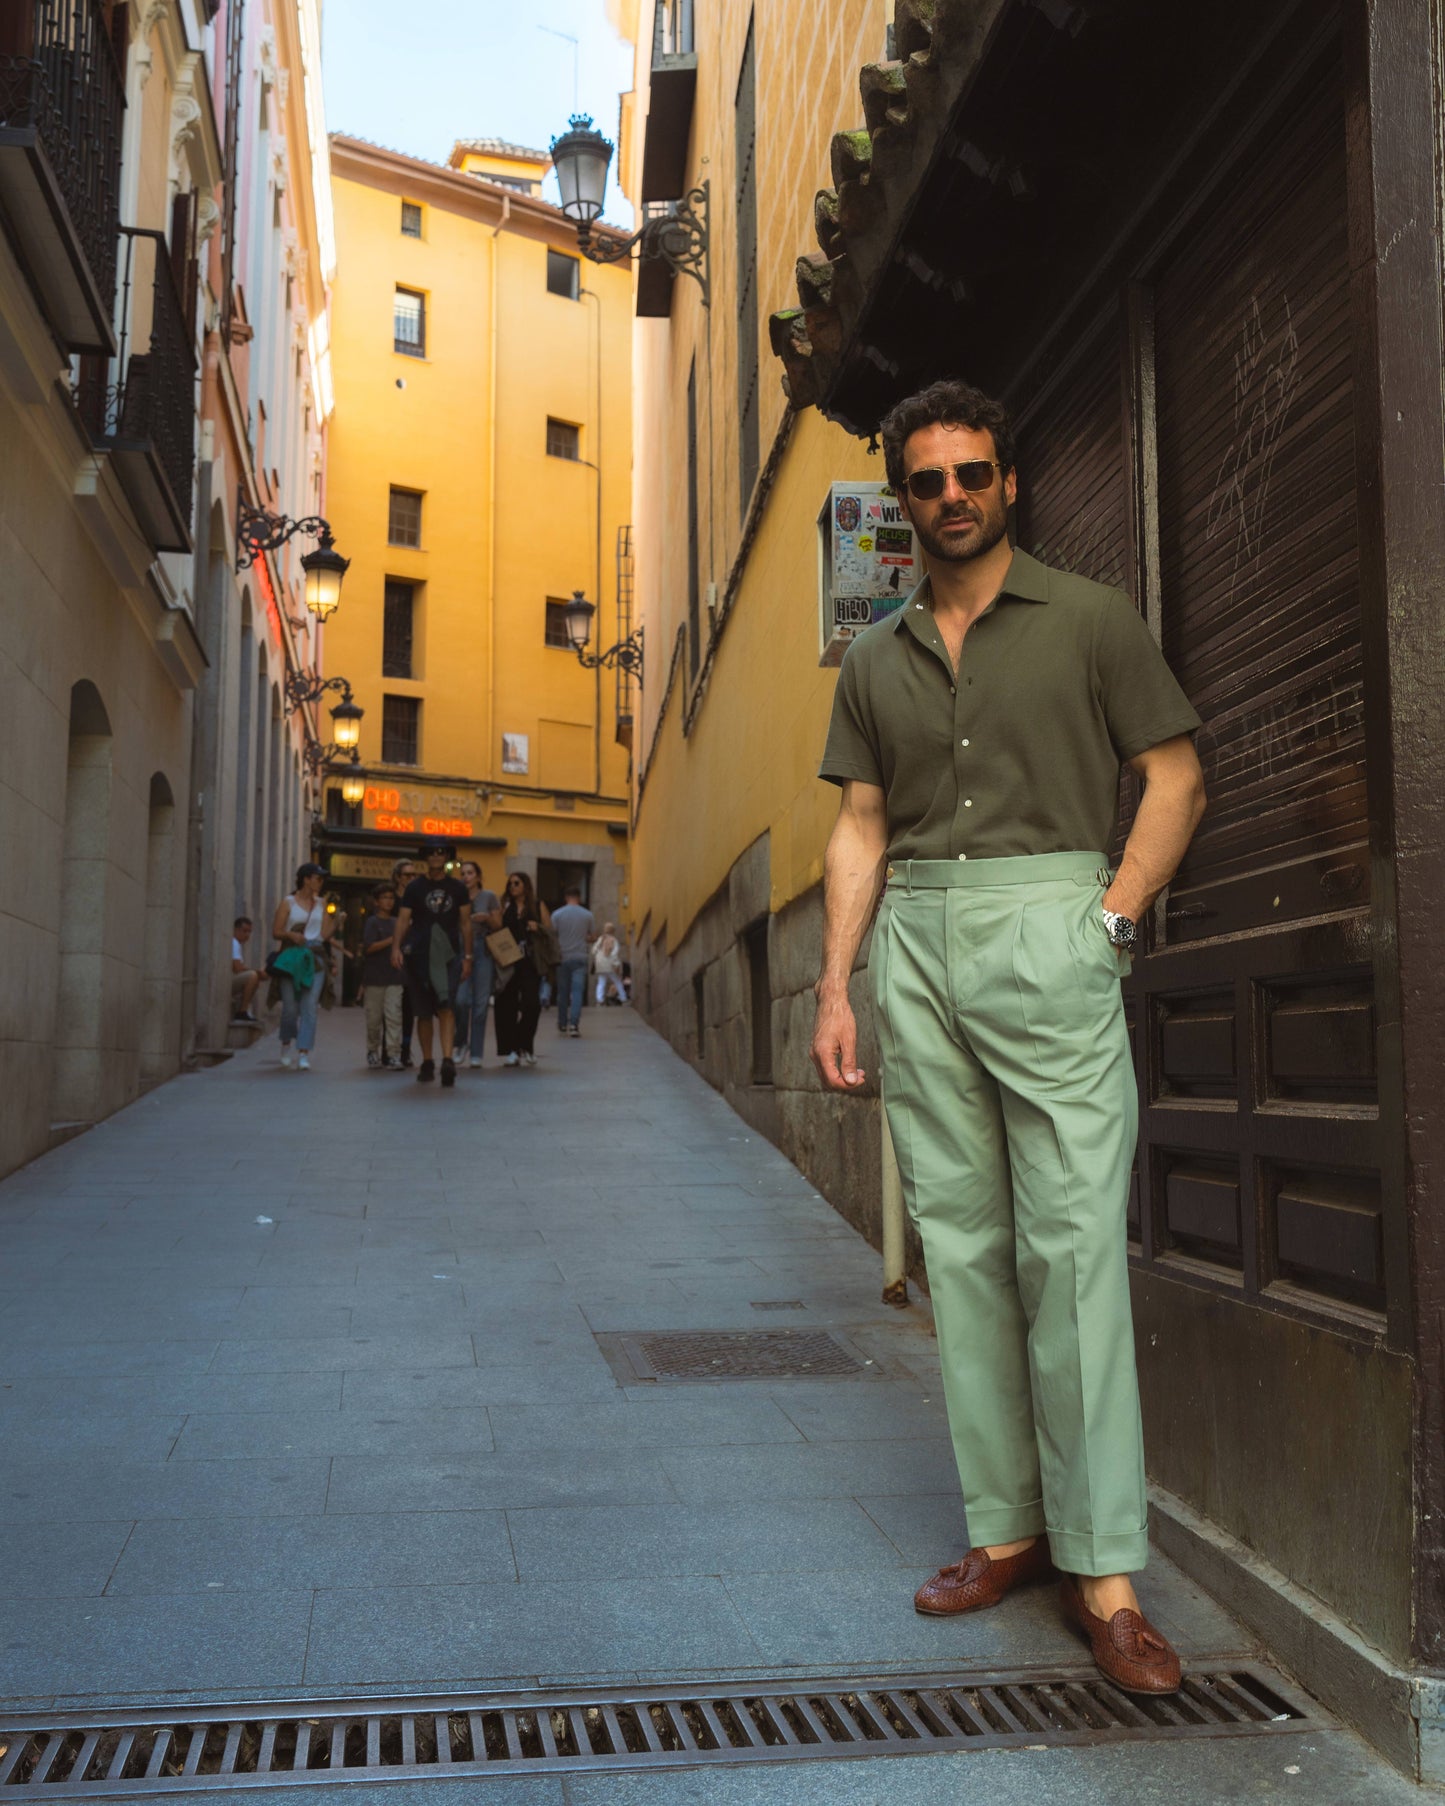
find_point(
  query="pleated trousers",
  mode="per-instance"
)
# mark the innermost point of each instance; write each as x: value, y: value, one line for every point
x: 1012, y: 1104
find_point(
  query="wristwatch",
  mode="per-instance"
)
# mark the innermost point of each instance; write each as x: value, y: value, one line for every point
x: 1121, y: 931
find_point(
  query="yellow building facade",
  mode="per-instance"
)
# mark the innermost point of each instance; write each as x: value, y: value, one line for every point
x: 479, y: 476
x: 730, y: 820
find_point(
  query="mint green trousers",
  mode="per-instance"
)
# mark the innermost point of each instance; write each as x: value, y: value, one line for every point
x: 1011, y: 1100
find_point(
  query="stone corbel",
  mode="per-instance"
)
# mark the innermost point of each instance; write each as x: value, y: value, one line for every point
x: 147, y: 17
x: 193, y: 123
x: 270, y: 69
x: 208, y: 217
x: 278, y: 169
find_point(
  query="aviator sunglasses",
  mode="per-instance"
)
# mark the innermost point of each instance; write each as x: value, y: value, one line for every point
x: 928, y: 484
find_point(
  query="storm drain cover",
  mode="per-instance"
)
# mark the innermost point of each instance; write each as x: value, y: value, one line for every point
x: 740, y: 1354
x: 456, y: 1735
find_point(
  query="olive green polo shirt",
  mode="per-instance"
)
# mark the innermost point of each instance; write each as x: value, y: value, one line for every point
x: 1059, y: 682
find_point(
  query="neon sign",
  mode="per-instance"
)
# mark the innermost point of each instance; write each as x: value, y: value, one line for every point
x: 268, y: 595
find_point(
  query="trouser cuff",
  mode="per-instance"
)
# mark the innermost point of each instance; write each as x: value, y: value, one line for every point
x: 1004, y: 1523
x: 1092, y: 1553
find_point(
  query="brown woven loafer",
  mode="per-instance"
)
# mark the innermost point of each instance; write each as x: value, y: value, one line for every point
x: 978, y: 1581
x: 1127, y: 1650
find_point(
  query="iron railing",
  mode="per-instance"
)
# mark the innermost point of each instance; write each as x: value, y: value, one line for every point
x: 153, y: 398
x: 60, y: 79
x: 626, y: 577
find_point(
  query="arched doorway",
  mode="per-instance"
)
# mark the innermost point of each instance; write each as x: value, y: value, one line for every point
x: 84, y: 974
x: 160, y: 989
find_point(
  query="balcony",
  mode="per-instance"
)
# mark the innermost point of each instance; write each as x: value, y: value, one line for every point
x: 61, y: 103
x: 146, y: 418
x: 672, y: 87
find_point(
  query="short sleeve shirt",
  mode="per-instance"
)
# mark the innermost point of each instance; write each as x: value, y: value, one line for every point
x: 1059, y: 682
x: 572, y: 925
x: 435, y: 903
x: 376, y: 966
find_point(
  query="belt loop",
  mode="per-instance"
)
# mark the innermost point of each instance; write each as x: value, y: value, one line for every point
x: 908, y: 876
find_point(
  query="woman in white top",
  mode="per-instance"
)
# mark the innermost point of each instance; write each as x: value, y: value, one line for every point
x: 607, y: 964
x: 301, y: 920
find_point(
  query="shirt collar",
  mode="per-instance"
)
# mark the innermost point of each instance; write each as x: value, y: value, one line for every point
x: 1027, y: 581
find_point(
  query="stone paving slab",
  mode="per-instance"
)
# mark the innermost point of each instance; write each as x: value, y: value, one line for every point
x: 371, y: 1441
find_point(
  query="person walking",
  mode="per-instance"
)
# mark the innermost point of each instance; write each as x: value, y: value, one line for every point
x: 519, y: 996
x: 576, y: 928
x: 402, y: 874
x: 607, y: 964
x: 381, y: 982
x: 303, y: 928
x: 977, y: 735
x: 474, y: 994
x: 434, y: 947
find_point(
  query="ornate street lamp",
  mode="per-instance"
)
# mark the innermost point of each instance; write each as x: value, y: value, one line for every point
x: 677, y: 237
x: 258, y: 532
x: 353, y: 787
x: 626, y: 653
x: 346, y: 723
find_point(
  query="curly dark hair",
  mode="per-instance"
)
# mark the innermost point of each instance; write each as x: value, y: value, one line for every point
x: 951, y: 402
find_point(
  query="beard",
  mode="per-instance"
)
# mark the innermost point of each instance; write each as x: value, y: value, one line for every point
x: 943, y: 541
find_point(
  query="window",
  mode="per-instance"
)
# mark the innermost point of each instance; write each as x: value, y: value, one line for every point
x: 411, y: 219
x: 409, y: 323
x: 746, y: 135
x: 562, y: 275
x: 556, y: 634
x: 403, y: 521
x: 563, y: 439
x: 694, y: 626
x: 398, y: 608
x: 400, y: 719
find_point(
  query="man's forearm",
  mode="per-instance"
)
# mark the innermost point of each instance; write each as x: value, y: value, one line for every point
x: 853, y: 872
x: 1168, y: 814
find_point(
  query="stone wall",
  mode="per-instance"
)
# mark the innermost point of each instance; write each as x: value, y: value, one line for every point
x: 699, y: 996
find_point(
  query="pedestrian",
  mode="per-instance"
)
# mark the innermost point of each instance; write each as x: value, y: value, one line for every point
x: 977, y: 735
x: 303, y: 926
x: 607, y: 964
x: 434, y: 948
x: 402, y: 874
x: 474, y: 995
x: 245, y: 980
x: 576, y: 928
x: 382, y: 984
x: 519, y: 995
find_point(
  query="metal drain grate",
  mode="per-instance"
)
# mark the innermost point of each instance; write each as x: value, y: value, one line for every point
x: 260, y: 1746
x: 740, y: 1354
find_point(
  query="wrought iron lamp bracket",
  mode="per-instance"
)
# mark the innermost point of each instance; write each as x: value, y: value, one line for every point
x: 677, y: 238
x: 317, y: 756
x: 626, y: 654
x: 257, y: 531
x: 304, y: 687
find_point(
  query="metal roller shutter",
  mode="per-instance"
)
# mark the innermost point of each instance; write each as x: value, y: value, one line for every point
x: 1257, y: 534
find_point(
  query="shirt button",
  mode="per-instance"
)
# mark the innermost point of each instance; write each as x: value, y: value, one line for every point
x: 963, y: 743
x: 963, y: 855
x: 968, y: 802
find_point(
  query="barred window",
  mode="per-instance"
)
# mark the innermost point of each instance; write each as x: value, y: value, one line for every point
x: 563, y: 439
x: 403, y: 520
x: 562, y: 275
x: 409, y: 323
x: 556, y: 633
x: 400, y: 721
x: 398, y: 608
x: 411, y: 219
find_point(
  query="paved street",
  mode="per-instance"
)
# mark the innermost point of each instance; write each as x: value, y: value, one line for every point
x: 302, y: 1395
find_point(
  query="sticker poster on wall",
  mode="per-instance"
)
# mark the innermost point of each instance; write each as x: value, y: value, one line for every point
x: 868, y: 562
x: 515, y: 753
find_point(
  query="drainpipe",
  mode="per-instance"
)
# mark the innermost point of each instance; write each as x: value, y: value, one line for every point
x: 492, y: 729
x: 895, y: 1277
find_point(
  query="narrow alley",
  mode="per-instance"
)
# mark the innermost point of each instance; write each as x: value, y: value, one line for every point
x: 328, y: 1387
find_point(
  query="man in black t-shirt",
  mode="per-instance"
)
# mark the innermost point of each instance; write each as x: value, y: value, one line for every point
x: 434, y: 926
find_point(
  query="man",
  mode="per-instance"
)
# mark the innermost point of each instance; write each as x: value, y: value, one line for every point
x: 402, y: 874
x: 434, y: 948
x: 977, y: 735
x: 244, y: 979
x: 576, y: 929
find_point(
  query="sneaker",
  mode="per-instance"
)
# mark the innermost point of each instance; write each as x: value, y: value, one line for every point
x: 304, y: 1062
x: 449, y: 1074
x: 512, y: 1060
x: 425, y: 1073
x: 246, y: 1017
x: 406, y: 1058
x: 575, y: 1032
x: 529, y: 1059
x: 373, y: 1059
x: 475, y: 1062
x: 286, y: 1054
x: 393, y: 1064
x: 459, y: 1053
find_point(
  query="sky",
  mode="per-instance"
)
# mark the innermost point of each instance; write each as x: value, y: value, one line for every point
x: 416, y: 75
